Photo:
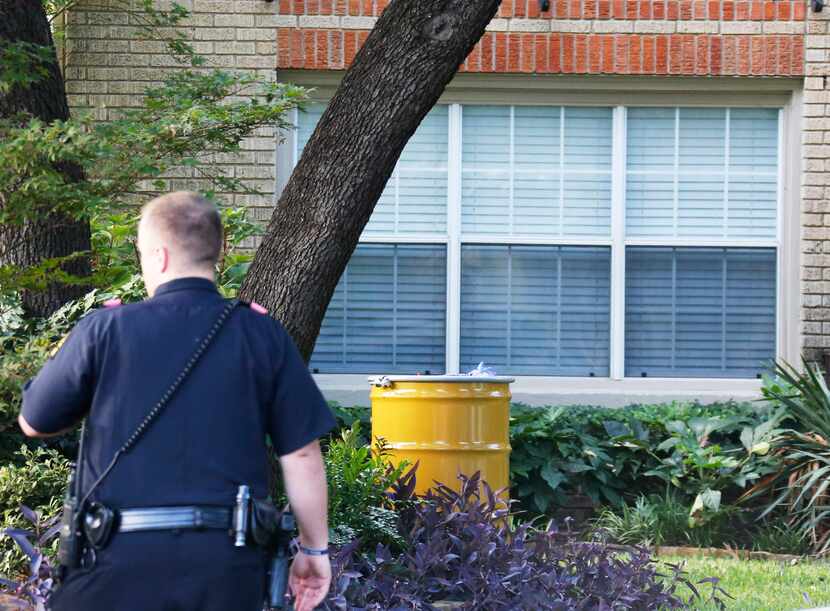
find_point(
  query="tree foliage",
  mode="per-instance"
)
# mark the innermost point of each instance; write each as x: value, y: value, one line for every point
x: 196, y: 114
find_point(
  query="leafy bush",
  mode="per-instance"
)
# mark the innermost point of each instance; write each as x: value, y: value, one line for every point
x: 33, y: 591
x: 346, y: 416
x: 636, y: 524
x: 777, y: 538
x: 359, y: 480
x: 653, y: 416
x: 703, y: 470
x: 614, y: 455
x: 552, y: 459
x: 611, y: 455
x: 462, y: 547
x: 802, y: 483
x: 664, y: 520
x: 39, y: 482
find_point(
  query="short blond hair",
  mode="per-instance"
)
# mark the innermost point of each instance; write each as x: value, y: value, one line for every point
x: 190, y: 222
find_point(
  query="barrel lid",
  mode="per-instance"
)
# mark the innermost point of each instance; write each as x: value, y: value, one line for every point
x: 456, y: 378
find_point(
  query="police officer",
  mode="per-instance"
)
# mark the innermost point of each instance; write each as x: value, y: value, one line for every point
x: 211, y: 438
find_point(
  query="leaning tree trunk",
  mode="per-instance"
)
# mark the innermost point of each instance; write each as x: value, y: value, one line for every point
x: 49, y: 235
x: 395, y: 79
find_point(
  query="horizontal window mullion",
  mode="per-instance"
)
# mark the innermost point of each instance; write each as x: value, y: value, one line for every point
x: 702, y: 243
x: 547, y: 172
x: 707, y: 172
x: 532, y: 240
x: 404, y: 239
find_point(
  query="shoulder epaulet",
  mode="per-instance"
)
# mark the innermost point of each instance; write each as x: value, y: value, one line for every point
x: 112, y: 303
x: 58, y: 346
x: 254, y: 306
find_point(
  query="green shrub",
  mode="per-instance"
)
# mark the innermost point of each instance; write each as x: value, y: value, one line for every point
x: 346, y: 416
x: 632, y: 524
x: 663, y: 520
x: 801, y: 486
x: 698, y: 467
x: 39, y: 482
x: 551, y: 460
x: 614, y: 455
x: 359, y: 478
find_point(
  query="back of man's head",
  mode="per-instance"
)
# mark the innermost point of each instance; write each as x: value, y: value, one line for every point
x: 188, y: 225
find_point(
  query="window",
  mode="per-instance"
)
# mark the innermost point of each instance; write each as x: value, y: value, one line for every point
x: 536, y: 171
x: 709, y: 176
x: 699, y: 312
x: 496, y: 237
x: 389, y: 310
x: 702, y: 172
x: 541, y: 310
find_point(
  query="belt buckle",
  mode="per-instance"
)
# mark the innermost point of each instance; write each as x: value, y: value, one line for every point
x: 198, y: 518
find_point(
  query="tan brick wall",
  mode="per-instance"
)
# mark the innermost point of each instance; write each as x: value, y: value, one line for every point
x: 108, y: 66
x: 815, y: 189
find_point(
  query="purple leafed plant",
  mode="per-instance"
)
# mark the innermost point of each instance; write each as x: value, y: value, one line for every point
x: 463, y: 547
x: 34, y: 590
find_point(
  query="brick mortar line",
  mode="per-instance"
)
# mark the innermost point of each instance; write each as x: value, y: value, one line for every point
x: 651, y: 26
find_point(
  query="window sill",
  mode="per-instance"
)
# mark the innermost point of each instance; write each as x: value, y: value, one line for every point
x: 352, y: 389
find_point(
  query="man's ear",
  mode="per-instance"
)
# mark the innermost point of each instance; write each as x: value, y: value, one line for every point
x: 163, y: 259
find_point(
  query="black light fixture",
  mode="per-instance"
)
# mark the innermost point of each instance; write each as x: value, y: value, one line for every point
x: 818, y: 5
x: 544, y: 5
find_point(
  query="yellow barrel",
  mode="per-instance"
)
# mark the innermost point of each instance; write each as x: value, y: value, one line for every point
x: 447, y: 424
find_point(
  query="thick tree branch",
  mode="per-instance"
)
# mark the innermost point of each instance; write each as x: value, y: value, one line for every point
x: 396, y: 78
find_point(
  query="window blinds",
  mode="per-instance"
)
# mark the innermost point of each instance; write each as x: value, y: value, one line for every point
x: 702, y: 172
x: 415, y: 198
x: 536, y: 170
x: 541, y: 174
x: 536, y: 310
x: 699, y: 312
x: 388, y: 313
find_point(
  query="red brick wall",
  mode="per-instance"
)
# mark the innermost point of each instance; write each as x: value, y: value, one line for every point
x: 645, y: 37
x: 755, y: 10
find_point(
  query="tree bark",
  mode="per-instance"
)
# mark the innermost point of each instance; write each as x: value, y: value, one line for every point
x: 395, y: 79
x: 50, y: 235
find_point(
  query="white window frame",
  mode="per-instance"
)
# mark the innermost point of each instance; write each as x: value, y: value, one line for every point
x: 619, y: 94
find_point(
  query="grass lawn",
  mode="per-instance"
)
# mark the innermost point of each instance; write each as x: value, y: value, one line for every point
x: 758, y: 585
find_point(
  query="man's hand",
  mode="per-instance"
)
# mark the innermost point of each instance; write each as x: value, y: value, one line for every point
x: 309, y: 580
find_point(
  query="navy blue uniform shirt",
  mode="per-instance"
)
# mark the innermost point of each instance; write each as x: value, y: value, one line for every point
x: 210, y: 438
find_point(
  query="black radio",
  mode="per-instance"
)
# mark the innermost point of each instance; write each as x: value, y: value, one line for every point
x: 70, y: 545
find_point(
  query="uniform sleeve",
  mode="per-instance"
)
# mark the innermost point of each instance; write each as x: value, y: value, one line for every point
x: 61, y: 393
x: 299, y: 414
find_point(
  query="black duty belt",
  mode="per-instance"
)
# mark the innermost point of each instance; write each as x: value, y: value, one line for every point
x: 167, y: 518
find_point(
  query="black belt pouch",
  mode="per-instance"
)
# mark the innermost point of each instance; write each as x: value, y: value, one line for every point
x: 264, y: 524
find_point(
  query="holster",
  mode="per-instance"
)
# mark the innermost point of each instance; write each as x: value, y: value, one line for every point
x: 264, y: 524
x: 258, y: 522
